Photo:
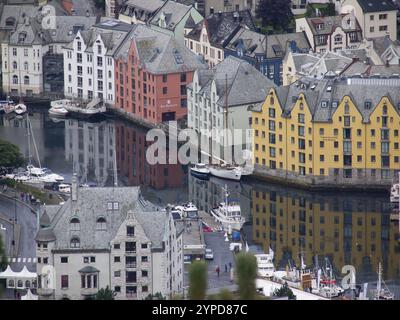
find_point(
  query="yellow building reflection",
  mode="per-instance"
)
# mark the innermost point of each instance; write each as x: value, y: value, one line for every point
x: 348, y: 228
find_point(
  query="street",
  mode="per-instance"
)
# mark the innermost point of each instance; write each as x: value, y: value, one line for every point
x: 26, y: 219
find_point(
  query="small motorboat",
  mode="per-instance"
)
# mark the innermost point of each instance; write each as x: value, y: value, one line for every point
x: 200, y: 171
x: 58, y: 111
x: 20, y: 108
x: 9, y: 108
x: 6, y: 106
x: 188, y: 210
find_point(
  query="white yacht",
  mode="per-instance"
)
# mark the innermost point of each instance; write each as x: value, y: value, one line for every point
x: 226, y: 171
x: 382, y: 293
x: 200, y: 171
x: 58, y: 111
x: 228, y: 214
x: 265, y: 266
x: 188, y: 210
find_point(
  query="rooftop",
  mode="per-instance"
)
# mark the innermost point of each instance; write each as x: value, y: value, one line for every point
x: 173, y: 12
x: 328, y: 24
x: 376, y: 5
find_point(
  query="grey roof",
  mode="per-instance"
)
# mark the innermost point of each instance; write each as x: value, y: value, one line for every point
x: 223, y: 26
x: 361, y: 69
x: 161, y: 53
x: 376, y: 5
x: 253, y: 43
x: 140, y: 8
x: 381, y: 44
x: 277, y: 44
x: 173, y: 11
x: 89, y: 269
x: 91, y: 204
x: 244, y: 83
x: 112, y: 32
x: 190, y: 24
x: 319, y: 99
x: 44, y: 219
x: 31, y: 32
x: 304, y: 60
x: 331, y: 23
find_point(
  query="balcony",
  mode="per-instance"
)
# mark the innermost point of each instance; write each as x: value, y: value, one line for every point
x: 131, y: 295
x: 45, y: 291
x: 88, y: 291
x: 131, y: 265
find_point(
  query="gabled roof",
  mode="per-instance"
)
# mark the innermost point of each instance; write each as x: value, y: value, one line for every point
x: 376, y: 5
x: 173, y: 12
x: 223, y: 26
x: 330, y: 23
x: 237, y: 82
x: 161, y: 53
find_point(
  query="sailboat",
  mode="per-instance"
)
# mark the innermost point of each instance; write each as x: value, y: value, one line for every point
x: 382, y: 294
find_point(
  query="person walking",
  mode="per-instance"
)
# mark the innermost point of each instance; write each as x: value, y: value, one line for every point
x: 226, y: 268
x: 217, y: 270
x: 230, y: 266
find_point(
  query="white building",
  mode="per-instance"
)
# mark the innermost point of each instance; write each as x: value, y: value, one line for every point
x: 331, y: 33
x: 23, y: 52
x: 90, y: 147
x: 110, y: 8
x: 108, y: 237
x: 377, y: 18
x: 232, y: 85
x: 89, y: 61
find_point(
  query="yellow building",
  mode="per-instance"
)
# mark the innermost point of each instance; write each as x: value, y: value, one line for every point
x: 330, y: 131
x: 348, y: 229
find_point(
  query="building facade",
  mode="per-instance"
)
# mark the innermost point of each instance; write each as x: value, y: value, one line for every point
x: 342, y: 131
x: 108, y: 237
x: 89, y: 61
x: 151, y: 75
x: 331, y: 33
x: 219, y: 103
x: 376, y: 18
x: 209, y: 37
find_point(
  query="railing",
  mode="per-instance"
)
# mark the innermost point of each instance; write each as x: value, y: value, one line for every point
x: 131, y: 295
x: 131, y: 265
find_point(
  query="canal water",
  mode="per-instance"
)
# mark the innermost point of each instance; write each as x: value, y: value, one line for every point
x: 344, y: 228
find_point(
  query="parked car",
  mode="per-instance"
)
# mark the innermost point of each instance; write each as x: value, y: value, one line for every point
x: 209, y: 254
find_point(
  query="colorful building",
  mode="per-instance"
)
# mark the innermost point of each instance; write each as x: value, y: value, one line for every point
x: 152, y: 71
x: 330, y: 131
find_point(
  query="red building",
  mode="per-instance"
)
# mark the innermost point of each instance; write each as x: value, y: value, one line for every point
x: 151, y: 73
x: 131, y: 149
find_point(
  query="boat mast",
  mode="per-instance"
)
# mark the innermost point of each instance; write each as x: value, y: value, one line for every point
x: 226, y: 117
x: 379, y: 284
x: 34, y: 143
x: 29, y: 140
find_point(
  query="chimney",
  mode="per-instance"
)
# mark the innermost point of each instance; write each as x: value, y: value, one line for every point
x: 387, y: 64
x: 74, y: 188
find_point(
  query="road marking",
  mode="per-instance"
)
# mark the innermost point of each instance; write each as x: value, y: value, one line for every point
x: 29, y: 260
x: 23, y: 260
x: 14, y: 260
x: 19, y: 260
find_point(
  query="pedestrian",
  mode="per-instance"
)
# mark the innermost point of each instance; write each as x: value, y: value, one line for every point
x: 230, y: 266
x: 231, y: 275
x: 226, y: 268
x: 217, y: 270
x: 22, y: 196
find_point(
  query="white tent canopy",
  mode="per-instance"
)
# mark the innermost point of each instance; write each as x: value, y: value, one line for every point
x: 8, y: 273
x: 23, y: 279
x: 29, y: 296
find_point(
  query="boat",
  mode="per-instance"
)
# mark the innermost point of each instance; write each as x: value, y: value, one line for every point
x: 265, y: 265
x: 20, y: 108
x: 94, y: 108
x: 226, y: 171
x: 58, y: 111
x: 60, y: 103
x: 9, y: 108
x: 229, y: 215
x: 6, y: 104
x: 188, y: 210
x: 200, y: 171
x: 395, y: 192
x: 382, y: 293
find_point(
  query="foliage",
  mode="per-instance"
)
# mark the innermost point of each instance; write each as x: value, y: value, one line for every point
x: 100, y: 4
x: 284, y: 291
x: 246, y: 269
x: 225, y: 294
x: 3, y: 261
x: 326, y: 9
x: 157, y: 296
x: 105, y: 294
x: 10, y: 156
x: 275, y: 14
x: 197, y: 280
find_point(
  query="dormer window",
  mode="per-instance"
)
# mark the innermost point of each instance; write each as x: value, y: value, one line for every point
x: 335, y: 104
x: 101, y: 224
x: 75, y: 242
x: 79, y: 45
x: 75, y: 224
x: 324, y: 104
x: 367, y: 104
x: 320, y: 26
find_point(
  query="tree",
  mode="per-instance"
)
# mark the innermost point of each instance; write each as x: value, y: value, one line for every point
x: 156, y: 296
x: 3, y: 263
x: 246, y: 269
x: 10, y: 155
x: 275, y: 14
x: 284, y: 291
x: 197, y: 280
x: 105, y: 294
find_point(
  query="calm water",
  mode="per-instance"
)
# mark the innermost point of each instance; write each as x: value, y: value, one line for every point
x: 348, y: 228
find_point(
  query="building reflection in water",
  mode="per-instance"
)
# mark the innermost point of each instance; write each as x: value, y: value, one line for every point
x: 349, y: 229
x: 89, y: 147
x: 132, y: 166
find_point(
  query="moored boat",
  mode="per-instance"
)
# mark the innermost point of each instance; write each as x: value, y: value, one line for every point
x: 20, y: 108
x: 200, y: 171
x: 226, y: 171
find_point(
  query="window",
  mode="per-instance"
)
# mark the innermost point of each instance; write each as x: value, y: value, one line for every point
x: 117, y: 246
x: 144, y: 259
x: 64, y: 282
x: 117, y: 259
x: 164, y: 78
x: 383, y: 28
x: 183, y: 77
x: 64, y: 259
x: 144, y: 273
x: 79, y: 57
x: 144, y: 245
x: 74, y: 224
x: 26, y: 80
x: 15, y: 79
x: 99, y: 61
x: 145, y: 288
x: 130, y: 231
x: 101, y: 224
x: 383, y: 16
x: 183, y: 90
x: 75, y: 243
x: 164, y: 90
